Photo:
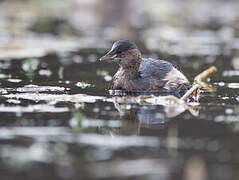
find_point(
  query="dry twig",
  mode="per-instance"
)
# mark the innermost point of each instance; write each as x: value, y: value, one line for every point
x: 203, y: 75
x: 190, y: 91
x: 198, y: 80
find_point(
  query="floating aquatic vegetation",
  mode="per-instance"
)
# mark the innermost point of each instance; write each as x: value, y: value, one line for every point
x: 61, y: 72
x: 3, y: 91
x: 13, y: 101
x: 76, y: 98
x: 233, y: 85
x: 14, y: 80
x: 45, y: 72
x: 84, y: 85
x: 35, y: 88
x: 173, y: 105
x: 221, y: 84
x: 29, y: 66
x: 33, y: 108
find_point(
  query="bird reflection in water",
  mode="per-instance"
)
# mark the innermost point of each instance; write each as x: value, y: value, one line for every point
x: 136, y: 116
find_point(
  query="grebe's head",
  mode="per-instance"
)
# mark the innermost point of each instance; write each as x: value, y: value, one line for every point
x: 124, y: 52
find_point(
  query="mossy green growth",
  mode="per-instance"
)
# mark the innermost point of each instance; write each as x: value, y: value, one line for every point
x: 76, y: 121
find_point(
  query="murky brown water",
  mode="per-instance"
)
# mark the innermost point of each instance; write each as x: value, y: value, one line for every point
x: 58, y: 120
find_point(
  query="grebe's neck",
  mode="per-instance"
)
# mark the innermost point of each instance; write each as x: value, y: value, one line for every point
x: 129, y: 65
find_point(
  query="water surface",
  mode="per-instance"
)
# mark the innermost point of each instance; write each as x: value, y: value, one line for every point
x: 58, y: 120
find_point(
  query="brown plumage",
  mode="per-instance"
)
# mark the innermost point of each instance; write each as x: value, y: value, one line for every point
x: 142, y: 74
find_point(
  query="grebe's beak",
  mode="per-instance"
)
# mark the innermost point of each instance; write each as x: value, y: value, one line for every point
x: 109, y: 56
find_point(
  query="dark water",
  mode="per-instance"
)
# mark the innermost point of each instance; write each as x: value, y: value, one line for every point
x: 58, y: 120
x: 94, y: 140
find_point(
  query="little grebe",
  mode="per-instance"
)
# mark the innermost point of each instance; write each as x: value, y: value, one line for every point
x: 143, y: 74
